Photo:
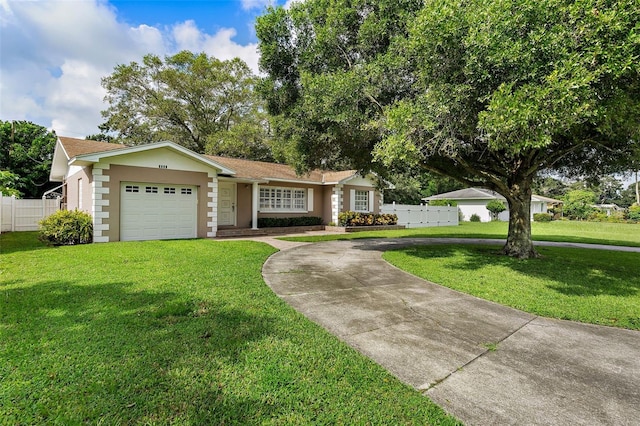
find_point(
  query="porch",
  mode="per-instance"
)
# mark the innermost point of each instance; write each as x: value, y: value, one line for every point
x: 233, y: 231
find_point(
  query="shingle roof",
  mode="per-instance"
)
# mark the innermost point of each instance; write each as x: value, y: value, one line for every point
x: 546, y: 199
x: 247, y: 169
x: 261, y: 169
x: 468, y: 194
x: 481, y: 194
x: 74, y: 147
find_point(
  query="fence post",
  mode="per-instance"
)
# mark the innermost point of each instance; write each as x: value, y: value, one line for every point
x: 1, y: 202
x: 44, y: 207
x: 13, y: 213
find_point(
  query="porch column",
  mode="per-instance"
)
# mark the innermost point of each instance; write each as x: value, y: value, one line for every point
x: 255, y: 200
x: 336, y: 202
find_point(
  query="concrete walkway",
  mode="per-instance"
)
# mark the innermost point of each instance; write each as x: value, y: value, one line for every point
x: 437, y: 340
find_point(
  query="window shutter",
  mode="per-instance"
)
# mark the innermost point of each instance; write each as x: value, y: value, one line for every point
x: 310, y: 199
x: 352, y: 200
x: 371, y: 201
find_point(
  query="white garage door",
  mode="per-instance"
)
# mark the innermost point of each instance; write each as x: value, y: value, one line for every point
x: 150, y: 211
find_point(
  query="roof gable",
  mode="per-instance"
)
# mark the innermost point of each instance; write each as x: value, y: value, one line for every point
x: 72, y: 151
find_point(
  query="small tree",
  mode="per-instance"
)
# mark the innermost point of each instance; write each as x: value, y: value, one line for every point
x: 578, y: 204
x: 495, y: 207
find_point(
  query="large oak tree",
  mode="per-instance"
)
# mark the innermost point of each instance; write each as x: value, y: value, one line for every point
x: 489, y: 92
x: 205, y: 104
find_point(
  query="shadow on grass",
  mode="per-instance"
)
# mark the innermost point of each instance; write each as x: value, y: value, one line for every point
x: 577, y: 272
x: 78, y: 353
x: 12, y: 242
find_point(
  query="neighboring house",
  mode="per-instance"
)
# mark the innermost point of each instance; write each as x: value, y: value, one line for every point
x: 163, y: 190
x: 608, y: 208
x: 474, y: 201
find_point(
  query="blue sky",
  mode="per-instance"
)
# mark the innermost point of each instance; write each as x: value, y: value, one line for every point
x: 210, y: 15
x: 53, y: 53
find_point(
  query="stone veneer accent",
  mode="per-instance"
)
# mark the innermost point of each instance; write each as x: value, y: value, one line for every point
x: 99, y: 201
x: 212, y: 205
x: 336, y: 202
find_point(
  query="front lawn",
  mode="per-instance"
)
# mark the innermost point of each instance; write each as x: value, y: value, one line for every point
x: 621, y: 234
x: 175, y: 332
x: 593, y: 286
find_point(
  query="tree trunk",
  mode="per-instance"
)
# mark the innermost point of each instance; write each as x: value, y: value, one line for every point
x: 519, y: 243
x: 637, y: 190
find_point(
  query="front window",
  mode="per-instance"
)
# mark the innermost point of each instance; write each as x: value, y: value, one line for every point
x: 283, y: 199
x: 362, y: 201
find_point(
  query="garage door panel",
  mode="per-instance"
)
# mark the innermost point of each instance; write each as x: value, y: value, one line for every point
x: 157, y: 211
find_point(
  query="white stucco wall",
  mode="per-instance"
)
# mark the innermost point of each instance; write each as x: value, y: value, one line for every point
x: 479, y: 207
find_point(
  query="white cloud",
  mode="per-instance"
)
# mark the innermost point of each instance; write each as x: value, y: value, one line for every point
x: 54, y: 54
x: 220, y: 45
x: 255, y: 4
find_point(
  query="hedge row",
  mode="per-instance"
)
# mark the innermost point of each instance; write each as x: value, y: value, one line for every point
x: 542, y: 217
x: 283, y: 222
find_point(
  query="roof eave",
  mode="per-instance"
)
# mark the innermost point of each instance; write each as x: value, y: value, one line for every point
x: 283, y: 180
x: 59, y: 163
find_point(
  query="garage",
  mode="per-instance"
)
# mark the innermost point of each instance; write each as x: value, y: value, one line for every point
x: 152, y: 211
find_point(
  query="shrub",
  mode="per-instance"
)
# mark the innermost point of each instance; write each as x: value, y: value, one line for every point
x: 351, y: 218
x: 283, y: 222
x: 443, y: 203
x: 474, y: 218
x: 66, y: 227
x: 542, y: 217
x: 634, y: 213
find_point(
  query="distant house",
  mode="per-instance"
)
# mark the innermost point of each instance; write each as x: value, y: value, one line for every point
x: 474, y: 201
x: 608, y: 208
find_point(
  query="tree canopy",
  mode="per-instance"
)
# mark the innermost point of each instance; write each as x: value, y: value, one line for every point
x: 487, y: 92
x: 26, y: 151
x: 200, y: 102
x: 8, y: 183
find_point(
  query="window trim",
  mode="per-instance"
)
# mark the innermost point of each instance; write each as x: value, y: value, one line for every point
x: 365, y: 201
x: 296, y: 194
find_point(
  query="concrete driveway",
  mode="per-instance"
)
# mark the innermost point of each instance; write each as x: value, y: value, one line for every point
x: 437, y: 340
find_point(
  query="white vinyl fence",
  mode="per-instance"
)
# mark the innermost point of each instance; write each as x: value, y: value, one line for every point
x: 422, y: 216
x: 24, y: 215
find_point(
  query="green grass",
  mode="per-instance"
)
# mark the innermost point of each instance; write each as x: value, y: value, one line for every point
x: 620, y: 234
x: 591, y: 286
x: 175, y: 332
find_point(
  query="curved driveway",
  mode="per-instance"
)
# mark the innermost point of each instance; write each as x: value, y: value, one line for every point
x: 437, y: 340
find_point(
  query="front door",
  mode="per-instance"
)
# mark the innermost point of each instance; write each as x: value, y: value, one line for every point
x: 226, y: 203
